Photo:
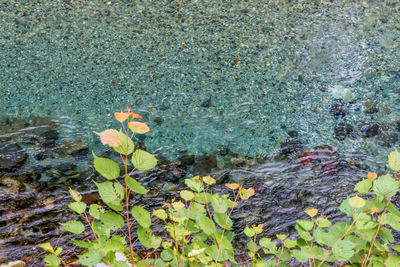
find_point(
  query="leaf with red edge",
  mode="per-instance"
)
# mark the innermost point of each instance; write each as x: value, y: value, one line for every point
x: 138, y: 127
x: 121, y: 116
x: 109, y: 137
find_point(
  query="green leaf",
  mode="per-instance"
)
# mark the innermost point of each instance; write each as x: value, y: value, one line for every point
x: 186, y: 195
x: 219, y: 204
x: 392, y: 261
x: 223, y: 220
x: 75, y: 195
x: 95, y: 210
x: 385, y: 186
x: 135, y: 186
x: 144, y: 236
x: 52, y: 260
x: 364, y: 222
x: 289, y: 243
x: 343, y: 250
x: 396, y: 248
x: 58, y: 251
x: 299, y: 255
x: 115, y: 205
x: 314, y: 252
x: 90, y: 258
x: 78, y: 207
x: 142, y: 216
x: 167, y: 255
x: 83, y: 244
x: 394, y: 160
x: 116, y: 244
x: 100, y: 229
x: 126, y: 146
x: 207, y: 225
x: 265, y: 242
x: 161, y: 214
x: 323, y: 222
x: 196, y: 185
x: 106, y: 191
x: 252, y: 246
x: 386, y: 235
x: 348, y: 209
x: 306, y: 225
x: 249, y: 231
x: 357, y: 202
x: 112, y: 220
x: 363, y: 186
x: 108, y: 168
x: 143, y: 160
x: 75, y: 227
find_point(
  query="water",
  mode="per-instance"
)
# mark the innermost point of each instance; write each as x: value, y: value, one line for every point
x: 266, y: 68
x: 207, y: 76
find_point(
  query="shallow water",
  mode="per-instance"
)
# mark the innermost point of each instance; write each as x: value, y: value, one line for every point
x: 217, y: 80
x: 236, y: 74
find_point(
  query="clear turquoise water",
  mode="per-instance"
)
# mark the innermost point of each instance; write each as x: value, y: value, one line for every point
x: 267, y: 68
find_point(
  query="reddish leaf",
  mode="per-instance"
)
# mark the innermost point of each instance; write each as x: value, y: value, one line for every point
x: 109, y: 137
x: 138, y: 127
x: 134, y: 115
x: 121, y: 116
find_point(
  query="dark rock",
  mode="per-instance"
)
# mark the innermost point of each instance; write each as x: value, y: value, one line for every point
x: 186, y: 159
x: 342, y: 130
x: 11, y: 156
x: 293, y: 134
x: 388, y: 139
x: 18, y: 124
x: 41, y: 156
x: 223, y: 150
x: 371, y: 110
x: 338, y: 110
x: 398, y: 125
x: 74, y: 148
x: 204, y: 164
x: 65, y: 167
x: 158, y: 121
x: 370, y: 130
x: 49, y: 135
x: 291, y: 146
x: 206, y: 103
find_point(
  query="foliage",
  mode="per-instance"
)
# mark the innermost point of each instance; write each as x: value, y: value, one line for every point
x: 365, y: 240
x: 198, y: 227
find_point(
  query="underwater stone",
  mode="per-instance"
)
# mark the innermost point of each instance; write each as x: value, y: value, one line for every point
x: 204, y: 164
x: 290, y: 146
x: 11, y: 156
x: 342, y: 130
x: 13, y: 185
x: 338, y: 110
x: 370, y: 130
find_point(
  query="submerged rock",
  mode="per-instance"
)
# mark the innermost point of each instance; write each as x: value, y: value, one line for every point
x: 291, y: 146
x: 11, y: 156
x: 342, y: 130
x: 388, y: 139
x: 13, y: 185
x: 204, y: 164
x: 338, y: 110
x: 370, y: 130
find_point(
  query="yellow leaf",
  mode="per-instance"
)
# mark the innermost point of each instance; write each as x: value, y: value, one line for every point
x: 375, y: 209
x: 109, y: 137
x: 209, y: 180
x: 232, y: 186
x: 75, y: 195
x: 311, y: 212
x: 394, y: 160
x: 178, y: 205
x: 372, y: 176
x: 281, y: 236
x: 138, y: 127
x: 247, y: 193
x: 121, y: 116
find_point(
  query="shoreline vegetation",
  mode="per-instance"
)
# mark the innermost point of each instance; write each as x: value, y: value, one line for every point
x: 198, y: 225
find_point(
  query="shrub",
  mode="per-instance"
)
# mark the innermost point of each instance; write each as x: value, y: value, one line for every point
x: 199, y: 228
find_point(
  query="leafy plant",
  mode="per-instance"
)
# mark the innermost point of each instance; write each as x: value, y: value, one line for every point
x: 198, y: 226
x: 367, y: 240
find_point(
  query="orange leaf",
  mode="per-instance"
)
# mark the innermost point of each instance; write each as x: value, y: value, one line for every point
x: 109, y: 137
x: 134, y: 115
x: 138, y: 127
x: 232, y: 186
x: 372, y: 176
x: 121, y: 116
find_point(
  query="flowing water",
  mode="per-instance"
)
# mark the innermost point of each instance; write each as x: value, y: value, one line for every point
x: 299, y: 98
